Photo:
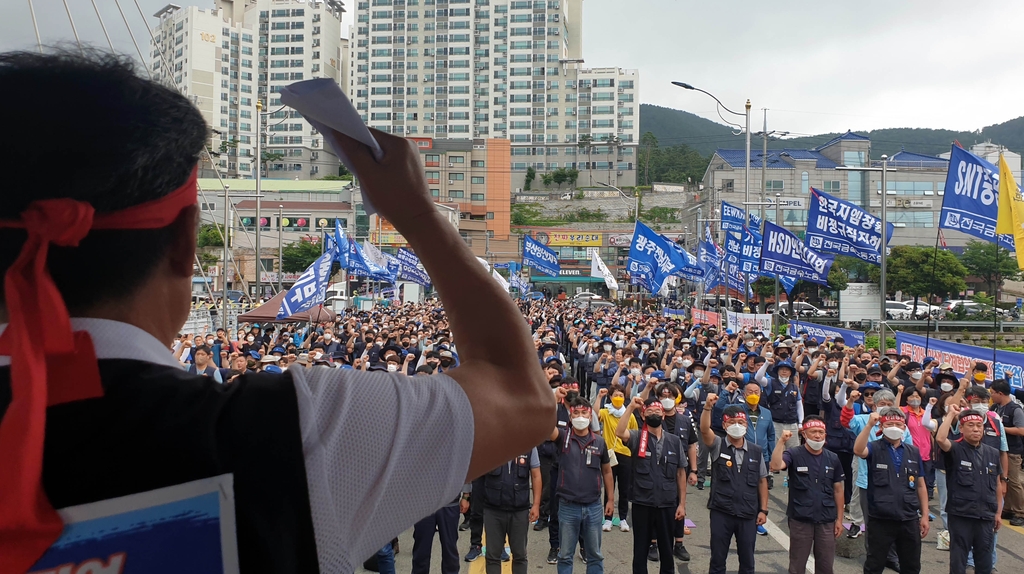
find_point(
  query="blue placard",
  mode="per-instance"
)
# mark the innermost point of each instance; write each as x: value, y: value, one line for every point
x: 412, y: 269
x: 310, y: 288
x: 710, y: 260
x: 782, y: 253
x: 840, y: 227
x: 733, y: 218
x: 652, y: 259
x: 750, y: 256
x: 1008, y: 365
x: 850, y: 337
x: 537, y: 255
x: 970, y: 203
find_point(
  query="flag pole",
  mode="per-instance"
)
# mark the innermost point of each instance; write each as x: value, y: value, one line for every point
x: 995, y: 309
x: 931, y: 293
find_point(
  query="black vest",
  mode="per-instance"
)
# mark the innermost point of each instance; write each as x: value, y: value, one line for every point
x: 158, y: 426
x: 1014, y: 443
x: 837, y: 437
x: 991, y: 435
x: 972, y: 476
x: 811, y: 496
x: 892, y: 493
x: 508, y: 486
x: 733, y: 486
x: 654, y: 477
x: 782, y: 401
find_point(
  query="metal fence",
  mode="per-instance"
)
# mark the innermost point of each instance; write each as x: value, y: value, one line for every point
x: 211, y: 320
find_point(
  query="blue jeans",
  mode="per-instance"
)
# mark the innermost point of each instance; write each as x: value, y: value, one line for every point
x: 995, y: 542
x: 577, y: 521
x: 386, y: 560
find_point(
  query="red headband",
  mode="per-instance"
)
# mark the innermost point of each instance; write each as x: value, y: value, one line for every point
x: 892, y: 418
x: 814, y: 424
x: 740, y: 415
x: 59, y: 370
x: 972, y: 418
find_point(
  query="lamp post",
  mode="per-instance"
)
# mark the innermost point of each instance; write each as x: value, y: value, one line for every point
x: 259, y: 178
x: 636, y: 199
x: 746, y: 165
x: 885, y: 241
x: 224, y: 265
x: 280, y: 247
x: 765, y: 134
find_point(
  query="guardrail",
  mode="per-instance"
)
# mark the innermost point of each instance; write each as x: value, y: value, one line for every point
x: 211, y: 320
x: 942, y: 324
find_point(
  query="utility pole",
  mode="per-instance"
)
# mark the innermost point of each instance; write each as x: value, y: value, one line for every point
x: 881, y: 252
x: 259, y: 177
x: 775, y: 315
x: 280, y: 247
x: 764, y: 168
x: 746, y: 199
x: 224, y: 265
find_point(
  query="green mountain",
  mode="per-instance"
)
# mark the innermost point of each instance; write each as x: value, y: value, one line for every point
x: 674, y: 127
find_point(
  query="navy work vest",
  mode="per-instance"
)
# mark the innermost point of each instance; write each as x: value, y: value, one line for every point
x: 1014, y: 443
x: 508, y: 486
x: 654, y: 477
x: 837, y: 437
x: 892, y: 492
x: 734, y: 486
x: 782, y: 401
x: 972, y: 475
x: 812, y: 494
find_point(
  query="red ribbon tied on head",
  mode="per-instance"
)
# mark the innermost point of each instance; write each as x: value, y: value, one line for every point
x: 61, y: 369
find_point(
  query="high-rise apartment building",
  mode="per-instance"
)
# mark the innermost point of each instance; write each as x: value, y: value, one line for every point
x: 511, y: 69
x: 227, y: 57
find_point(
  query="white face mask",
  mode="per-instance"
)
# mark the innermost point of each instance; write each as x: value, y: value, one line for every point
x: 833, y: 364
x: 580, y: 423
x: 916, y: 375
x: 250, y: 338
x: 328, y: 337
x: 209, y: 341
x: 687, y: 363
x: 668, y: 404
x: 946, y: 387
x: 644, y: 347
x: 607, y: 348
x: 392, y: 367
x: 893, y: 433
x: 769, y: 355
x: 698, y: 374
x: 736, y: 430
x: 635, y: 372
x: 783, y: 380
x: 812, y: 349
x: 815, y: 444
x: 980, y: 407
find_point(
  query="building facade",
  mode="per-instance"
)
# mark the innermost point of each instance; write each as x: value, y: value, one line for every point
x: 508, y: 69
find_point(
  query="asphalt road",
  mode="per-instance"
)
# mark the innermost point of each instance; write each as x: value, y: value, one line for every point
x: 772, y: 552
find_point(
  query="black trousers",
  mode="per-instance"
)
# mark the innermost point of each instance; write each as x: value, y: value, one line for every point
x: 476, y: 513
x: 905, y: 536
x: 723, y: 528
x: 546, y: 462
x: 446, y: 523
x: 622, y: 474
x: 846, y: 460
x: 966, y: 534
x: 893, y: 556
x: 650, y: 523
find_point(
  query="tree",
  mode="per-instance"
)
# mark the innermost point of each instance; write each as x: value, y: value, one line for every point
x: 347, y: 177
x: 297, y: 256
x: 208, y: 236
x: 586, y: 145
x: 660, y: 215
x: 531, y: 174
x: 572, y: 174
x: 921, y: 272
x: 764, y: 288
x: 990, y: 263
x: 857, y: 270
x: 267, y: 157
x: 648, y: 144
x: 225, y: 145
x: 547, y: 179
x: 559, y: 176
x: 207, y: 260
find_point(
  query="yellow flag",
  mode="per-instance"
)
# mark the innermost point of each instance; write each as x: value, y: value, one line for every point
x: 1010, y: 218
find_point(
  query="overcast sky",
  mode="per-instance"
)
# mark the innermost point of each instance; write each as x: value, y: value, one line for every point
x: 817, y: 66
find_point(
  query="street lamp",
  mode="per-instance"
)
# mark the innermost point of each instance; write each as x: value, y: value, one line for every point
x: 746, y: 165
x: 885, y: 240
x: 636, y: 199
x: 280, y: 248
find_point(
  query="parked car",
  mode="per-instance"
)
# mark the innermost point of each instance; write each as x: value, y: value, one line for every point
x: 593, y: 304
x: 924, y: 308
x: 585, y: 295
x: 897, y: 310
x: 800, y: 309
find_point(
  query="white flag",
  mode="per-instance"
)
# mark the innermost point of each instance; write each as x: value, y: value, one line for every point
x: 501, y: 280
x: 599, y: 269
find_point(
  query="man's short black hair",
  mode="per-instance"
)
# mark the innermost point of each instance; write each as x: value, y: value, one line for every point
x: 122, y: 140
x: 204, y: 348
x: 1000, y: 386
x: 976, y: 391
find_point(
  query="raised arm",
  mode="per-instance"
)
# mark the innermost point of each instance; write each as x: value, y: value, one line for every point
x: 706, y: 434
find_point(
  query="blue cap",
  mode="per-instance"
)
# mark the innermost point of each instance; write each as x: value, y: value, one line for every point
x: 642, y: 340
x: 272, y: 369
x: 928, y: 360
x: 802, y: 332
x: 254, y: 354
x: 658, y: 374
x: 786, y: 364
x: 586, y: 331
x: 715, y: 373
x: 277, y: 350
x: 870, y: 385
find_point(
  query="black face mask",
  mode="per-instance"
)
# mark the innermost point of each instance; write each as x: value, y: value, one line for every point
x: 445, y: 362
x: 783, y: 355
x: 571, y: 396
x: 653, y: 420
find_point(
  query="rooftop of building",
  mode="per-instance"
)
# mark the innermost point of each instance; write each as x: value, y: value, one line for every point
x: 848, y: 136
x: 776, y: 159
x: 276, y: 185
x: 269, y: 207
x: 908, y: 159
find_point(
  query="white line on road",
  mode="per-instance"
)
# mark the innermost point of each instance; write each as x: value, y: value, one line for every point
x: 783, y: 539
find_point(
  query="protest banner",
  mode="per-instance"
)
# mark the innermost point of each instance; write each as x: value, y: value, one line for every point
x: 821, y: 332
x: 1008, y: 365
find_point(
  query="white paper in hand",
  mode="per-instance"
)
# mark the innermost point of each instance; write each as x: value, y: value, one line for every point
x: 322, y: 103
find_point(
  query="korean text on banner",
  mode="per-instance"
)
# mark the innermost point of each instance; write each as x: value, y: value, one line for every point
x: 310, y: 289
x: 820, y: 332
x: 782, y: 253
x: 757, y: 322
x: 733, y: 247
x: 539, y: 257
x: 840, y: 227
x: 702, y: 317
x: 691, y: 269
x: 652, y: 259
x: 1011, y: 209
x: 710, y: 260
x: 733, y: 218
x: 970, y: 204
x: 1009, y: 365
x: 340, y: 244
x: 750, y: 256
x: 412, y: 269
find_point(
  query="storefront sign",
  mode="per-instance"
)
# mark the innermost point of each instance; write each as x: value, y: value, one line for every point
x: 560, y: 239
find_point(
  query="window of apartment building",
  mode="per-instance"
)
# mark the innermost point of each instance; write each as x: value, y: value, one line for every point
x: 912, y: 218
x: 773, y: 186
x: 728, y: 185
x: 477, y: 180
x: 435, y: 192
x: 831, y: 186
x: 477, y: 163
x: 805, y: 182
x: 456, y: 193
x: 457, y: 176
x: 477, y: 197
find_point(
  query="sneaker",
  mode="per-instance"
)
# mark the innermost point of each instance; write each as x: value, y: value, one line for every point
x: 607, y: 526
x: 700, y: 485
x: 583, y: 555
x: 771, y: 482
x: 679, y: 551
x: 762, y: 531
x: 465, y: 525
x: 854, y: 531
x: 505, y: 556
x: 541, y: 524
x: 623, y: 526
x: 473, y: 554
x: 553, y: 556
x: 942, y: 541
x: 652, y: 553
x: 1017, y: 521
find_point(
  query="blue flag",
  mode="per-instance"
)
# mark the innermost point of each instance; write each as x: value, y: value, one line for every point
x: 340, y: 240
x: 539, y: 256
x: 393, y: 265
x: 787, y: 283
x: 755, y: 221
x: 970, y: 203
x: 710, y: 261
x: 838, y: 226
x: 750, y: 256
x: 782, y: 253
x: 733, y: 218
x: 691, y: 269
x: 310, y: 289
x: 359, y: 265
x: 652, y: 259
x: 412, y: 269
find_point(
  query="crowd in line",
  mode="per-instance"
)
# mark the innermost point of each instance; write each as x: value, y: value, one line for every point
x: 650, y: 407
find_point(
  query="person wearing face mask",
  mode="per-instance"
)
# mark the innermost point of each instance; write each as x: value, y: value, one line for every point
x: 760, y: 426
x: 976, y: 489
x: 921, y: 427
x: 605, y: 366
x: 696, y: 394
x: 739, y: 488
x: 583, y: 468
x: 857, y: 423
x: 897, y: 508
x: 834, y: 397
x: 622, y: 473
x: 1012, y: 416
x: 784, y: 400
x: 814, y: 510
x: 659, y: 485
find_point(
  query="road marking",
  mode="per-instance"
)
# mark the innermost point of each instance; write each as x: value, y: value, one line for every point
x: 1018, y: 529
x: 783, y: 539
